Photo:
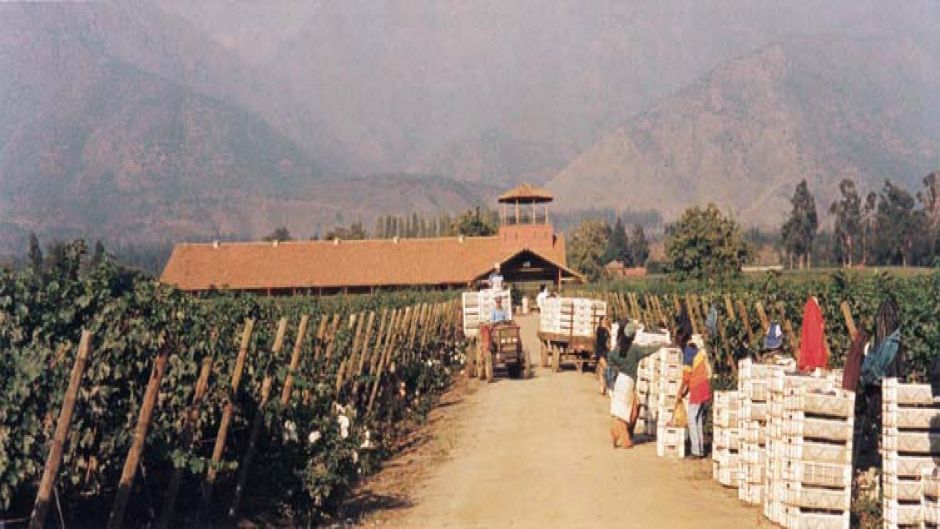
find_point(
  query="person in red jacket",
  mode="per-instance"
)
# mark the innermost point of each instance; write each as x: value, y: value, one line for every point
x: 813, y: 352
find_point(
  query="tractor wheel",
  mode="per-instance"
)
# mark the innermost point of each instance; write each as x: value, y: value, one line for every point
x: 515, y: 370
x: 489, y: 366
x: 543, y: 354
x: 556, y: 359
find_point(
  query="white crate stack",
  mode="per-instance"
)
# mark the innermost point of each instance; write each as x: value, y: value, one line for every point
x: 753, y: 392
x: 910, y: 447
x: 815, y: 453
x: 647, y: 389
x: 571, y: 316
x: 477, y: 307
x: 726, y: 438
x: 670, y: 441
x: 780, y: 427
x: 930, y: 497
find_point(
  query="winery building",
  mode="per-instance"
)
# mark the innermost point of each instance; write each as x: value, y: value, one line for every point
x: 526, y: 248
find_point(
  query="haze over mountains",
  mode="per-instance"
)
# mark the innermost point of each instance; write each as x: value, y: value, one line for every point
x: 192, y: 120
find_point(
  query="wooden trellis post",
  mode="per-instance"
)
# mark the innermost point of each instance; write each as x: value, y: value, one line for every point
x: 849, y: 320
x: 294, y: 359
x: 187, y: 439
x: 788, y: 329
x: 764, y: 322
x: 729, y: 308
x: 745, y: 320
x: 318, y: 345
x: 227, y: 412
x: 131, y: 463
x: 37, y: 518
x: 257, y: 420
x: 331, y: 341
x: 398, y: 330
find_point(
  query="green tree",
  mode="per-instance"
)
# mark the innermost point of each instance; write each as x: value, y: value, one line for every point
x: 474, y: 223
x: 618, y: 247
x: 705, y: 244
x: 586, y: 247
x: 869, y: 226
x: 799, y: 231
x: 35, y: 254
x: 929, y: 198
x: 279, y: 234
x: 898, y: 224
x: 639, y: 246
x: 98, y: 255
x: 848, y: 224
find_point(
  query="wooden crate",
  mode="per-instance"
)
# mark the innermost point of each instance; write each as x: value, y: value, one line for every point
x: 897, y: 513
x: 806, y: 497
x: 802, y: 450
x: 835, y: 404
x: 834, y: 429
x: 817, y: 474
x: 797, y: 518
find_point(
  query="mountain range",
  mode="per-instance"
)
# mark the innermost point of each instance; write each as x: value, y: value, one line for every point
x: 177, y: 120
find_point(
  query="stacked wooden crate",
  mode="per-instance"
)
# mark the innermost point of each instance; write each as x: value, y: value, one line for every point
x: 726, y: 438
x: 670, y: 441
x: 571, y: 316
x: 753, y: 391
x: 815, y: 451
x: 910, y: 446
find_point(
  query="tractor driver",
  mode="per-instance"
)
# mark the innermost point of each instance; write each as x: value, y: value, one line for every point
x: 499, y: 314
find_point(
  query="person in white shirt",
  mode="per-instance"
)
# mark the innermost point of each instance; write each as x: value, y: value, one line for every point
x: 499, y: 314
x: 541, y: 297
x: 496, y: 279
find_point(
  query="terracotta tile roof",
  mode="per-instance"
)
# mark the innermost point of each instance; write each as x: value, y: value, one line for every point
x: 326, y: 264
x: 526, y: 192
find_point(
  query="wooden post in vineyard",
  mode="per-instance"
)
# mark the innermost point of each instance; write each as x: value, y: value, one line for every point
x: 320, y: 337
x: 746, y: 321
x: 788, y: 329
x: 186, y: 437
x: 131, y: 463
x: 334, y: 329
x: 227, y: 412
x: 764, y: 322
x: 397, y: 330
x: 257, y: 420
x: 294, y: 359
x: 729, y: 308
x: 849, y: 320
x: 357, y: 339
x: 690, y: 307
x: 49, y: 473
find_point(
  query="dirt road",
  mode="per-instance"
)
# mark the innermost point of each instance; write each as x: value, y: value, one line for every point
x: 536, y: 453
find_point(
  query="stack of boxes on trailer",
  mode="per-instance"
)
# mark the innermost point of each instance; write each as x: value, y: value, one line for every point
x: 477, y: 307
x: 571, y: 316
x: 753, y: 390
x: 814, y: 455
x: 910, y: 447
x: 670, y: 441
x: 726, y: 438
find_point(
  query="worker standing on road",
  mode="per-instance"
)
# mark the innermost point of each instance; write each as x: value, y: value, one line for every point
x: 695, y: 383
x: 624, y: 406
x: 601, y: 346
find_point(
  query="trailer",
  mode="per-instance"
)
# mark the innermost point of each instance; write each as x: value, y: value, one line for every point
x: 567, y: 331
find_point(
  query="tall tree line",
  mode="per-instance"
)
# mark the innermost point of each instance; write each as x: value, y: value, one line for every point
x: 888, y: 226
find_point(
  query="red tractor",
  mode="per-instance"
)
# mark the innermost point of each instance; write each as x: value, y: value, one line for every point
x: 500, y: 347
